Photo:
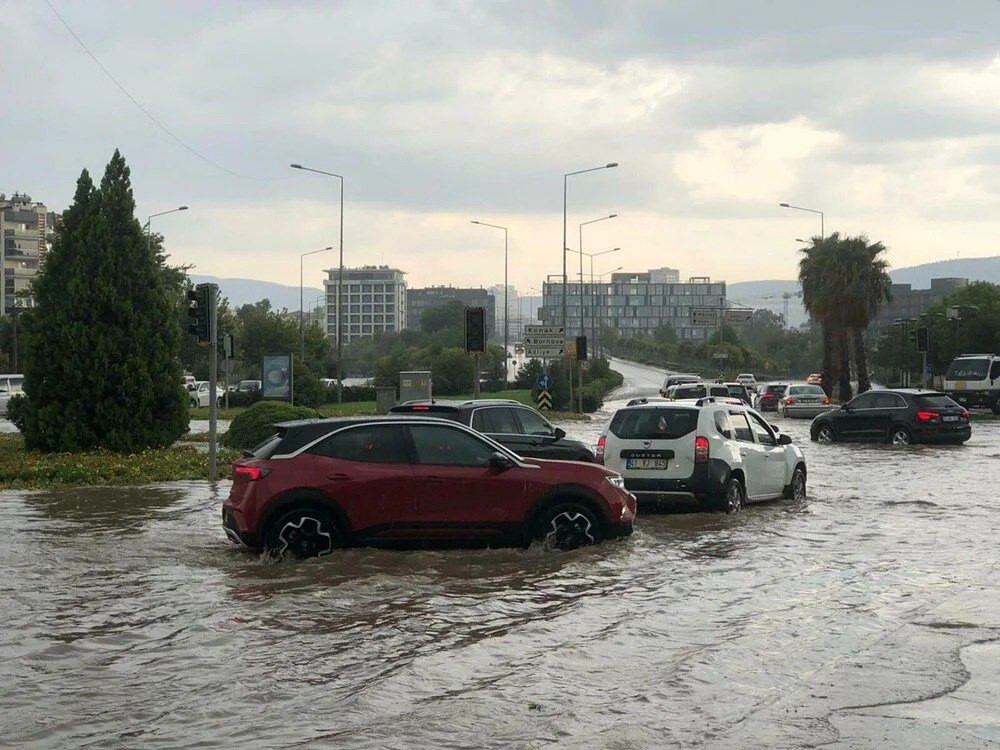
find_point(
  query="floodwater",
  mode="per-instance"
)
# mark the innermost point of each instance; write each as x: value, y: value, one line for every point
x: 865, y: 617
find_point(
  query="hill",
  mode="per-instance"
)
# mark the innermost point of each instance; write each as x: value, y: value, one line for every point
x: 241, y: 292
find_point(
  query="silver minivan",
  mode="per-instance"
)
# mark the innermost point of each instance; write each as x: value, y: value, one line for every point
x: 10, y: 385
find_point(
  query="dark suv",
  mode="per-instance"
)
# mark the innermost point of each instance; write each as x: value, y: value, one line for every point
x: 321, y: 484
x: 900, y: 417
x: 510, y: 423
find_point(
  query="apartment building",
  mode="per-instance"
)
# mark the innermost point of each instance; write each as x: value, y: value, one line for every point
x: 908, y: 302
x: 373, y: 300
x: 24, y: 227
x: 633, y: 303
x: 420, y: 300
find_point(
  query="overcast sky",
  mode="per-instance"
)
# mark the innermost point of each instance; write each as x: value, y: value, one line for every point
x: 884, y: 114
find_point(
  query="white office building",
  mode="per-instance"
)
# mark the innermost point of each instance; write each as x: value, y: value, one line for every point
x: 374, y: 301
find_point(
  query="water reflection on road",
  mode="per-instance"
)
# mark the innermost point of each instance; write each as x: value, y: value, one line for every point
x: 130, y: 621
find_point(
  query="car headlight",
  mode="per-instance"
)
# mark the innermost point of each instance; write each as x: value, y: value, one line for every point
x: 617, y: 481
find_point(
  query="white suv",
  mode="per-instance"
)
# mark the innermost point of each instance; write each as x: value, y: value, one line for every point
x: 716, y: 451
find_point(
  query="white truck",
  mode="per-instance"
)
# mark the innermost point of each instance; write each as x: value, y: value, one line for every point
x: 973, y: 380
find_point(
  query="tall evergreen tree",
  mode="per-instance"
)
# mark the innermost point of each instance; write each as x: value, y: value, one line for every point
x: 102, y: 367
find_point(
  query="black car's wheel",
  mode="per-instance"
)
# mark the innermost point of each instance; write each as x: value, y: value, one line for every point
x: 733, y: 497
x: 566, y: 526
x: 300, y: 534
x: 796, y: 489
x: 899, y: 435
x: 825, y: 434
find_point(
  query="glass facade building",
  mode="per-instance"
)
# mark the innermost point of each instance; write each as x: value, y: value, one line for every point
x: 374, y: 300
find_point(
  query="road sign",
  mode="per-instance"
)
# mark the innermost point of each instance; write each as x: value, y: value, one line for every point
x: 544, y: 381
x: 545, y: 331
x: 569, y: 349
x: 543, y: 341
x: 704, y: 316
x: 738, y: 317
x: 544, y: 400
x: 543, y: 351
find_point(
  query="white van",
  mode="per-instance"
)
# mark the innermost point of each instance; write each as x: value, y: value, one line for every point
x: 974, y: 380
x: 10, y: 385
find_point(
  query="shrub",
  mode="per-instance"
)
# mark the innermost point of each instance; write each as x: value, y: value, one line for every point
x: 256, y: 424
x: 243, y: 398
x: 17, y: 410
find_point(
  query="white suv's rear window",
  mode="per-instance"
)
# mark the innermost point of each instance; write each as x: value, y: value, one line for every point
x: 654, y: 423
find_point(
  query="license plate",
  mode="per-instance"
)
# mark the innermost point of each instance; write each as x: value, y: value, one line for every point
x: 645, y: 463
x: 949, y: 419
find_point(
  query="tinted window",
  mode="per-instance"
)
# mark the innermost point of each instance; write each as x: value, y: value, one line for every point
x: 723, y: 424
x: 654, y: 423
x: 806, y: 390
x: 439, y: 445
x: 864, y: 401
x: 968, y: 369
x: 481, y: 421
x: 995, y: 370
x: 690, y: 391
x: 888, y: 401
x: 266, y: 449
x: 533, y: 424
x: 741, y: 427
x: 374, y: 444
x: 761, y: 431
x: 737, y: 391
x: 503, y: 421
x: 937, y: 401
x: 719, y: 390
x: 777, y: 390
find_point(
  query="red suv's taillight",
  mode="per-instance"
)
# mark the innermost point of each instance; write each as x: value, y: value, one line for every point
x: 599, y: 454
x: 251, y: 473
x: 928, y: 416
x: 701, y: 450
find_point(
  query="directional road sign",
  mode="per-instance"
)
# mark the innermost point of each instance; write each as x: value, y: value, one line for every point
x: 739, y: 317
x: 544, y: 341
x: 544, y: 400
x: 704, y: 316
x: 545, y: 331
x: 544, y: 381
x: 542, y: 351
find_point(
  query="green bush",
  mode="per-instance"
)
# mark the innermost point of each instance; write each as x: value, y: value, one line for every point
x: 256, y: 424
x: 17, y: 410
x: 243, y: 398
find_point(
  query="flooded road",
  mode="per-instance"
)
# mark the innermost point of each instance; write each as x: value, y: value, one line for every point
x: 867, y: 616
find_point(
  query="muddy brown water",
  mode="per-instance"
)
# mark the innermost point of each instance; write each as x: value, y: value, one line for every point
x: 846, y: 620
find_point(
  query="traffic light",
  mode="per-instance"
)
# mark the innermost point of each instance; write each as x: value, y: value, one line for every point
x: 475, y: 329
x: 198, y: 310
x: 581, y: 348
x: 922, y: 340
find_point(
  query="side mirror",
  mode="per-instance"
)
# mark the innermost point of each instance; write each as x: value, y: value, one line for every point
x: 559, y: 433
x: 775, y: 428
x: 500, y: 462
x: 784, y: 439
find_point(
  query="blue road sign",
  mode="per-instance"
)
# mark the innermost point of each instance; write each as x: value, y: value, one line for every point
x: 544, y: 381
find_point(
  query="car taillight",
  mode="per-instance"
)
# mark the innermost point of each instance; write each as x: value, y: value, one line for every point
x: 701, y: 450
x: 928, y: 416
x: 826, y: 400
x: 252, y: 473
x: 789, y: 401
x: 421, y: 408
x: 965, y: 415
x: 768, y: 395
x: 600, y: 448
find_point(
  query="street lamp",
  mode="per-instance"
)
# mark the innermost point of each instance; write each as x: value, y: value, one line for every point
x: 582, y: 225
x: 340, y: 278
x: 593, y: 294
x: 302, y: 334
x: 822, y: 228
x: 506, y: 305
x: 149, y: 220
x: 597, y: 323
x: 565, y: 283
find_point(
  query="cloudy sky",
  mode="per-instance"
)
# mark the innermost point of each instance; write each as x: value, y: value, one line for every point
x: 885, y: 115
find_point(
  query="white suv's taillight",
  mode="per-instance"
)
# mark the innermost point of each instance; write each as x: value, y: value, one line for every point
x: 701, y: 450
x: 600, y: 448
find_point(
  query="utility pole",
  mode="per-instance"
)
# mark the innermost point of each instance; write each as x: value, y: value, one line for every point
x: 213, y: 366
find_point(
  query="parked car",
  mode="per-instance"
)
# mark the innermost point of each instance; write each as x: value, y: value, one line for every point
x: 803, y: 400
x: 696, y: 390
x: 199, y: 395
x: 768, y: 395
x: 898, y: 416
x: 10, y: 385
x: 718, y: 452
x: 740, y: 391
x: 747, y: 379
x: 512, y: 424
x: 248, y: 386
x: 318, y: 485
x: 815, y: 378
x: 677, y: 380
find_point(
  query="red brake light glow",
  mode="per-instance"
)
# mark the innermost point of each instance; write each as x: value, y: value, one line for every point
x: 826, y: 400
x: 421, y: 408
x: 789, y: 401
x: 701, y: 450
x: 966, y: 416
x: 599, y: 454
x: 928, y: 416
x: 252, y: 473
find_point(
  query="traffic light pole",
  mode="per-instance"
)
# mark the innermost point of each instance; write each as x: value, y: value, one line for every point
x: 475, y: 385
x: 213, y: 366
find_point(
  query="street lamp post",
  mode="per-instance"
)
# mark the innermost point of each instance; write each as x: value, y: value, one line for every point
x: 506, y: 305
x: 582, y: 225
x: 565, y: 284
x: 597, y: 328
x: 593, y: 314
x: 340, y: 279
x: 149, y: 220
x: 822, y: 227
x: 302, y: 312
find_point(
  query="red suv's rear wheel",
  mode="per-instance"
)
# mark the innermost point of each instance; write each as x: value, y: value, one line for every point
x: 568, y: 525
x: 300, y: 534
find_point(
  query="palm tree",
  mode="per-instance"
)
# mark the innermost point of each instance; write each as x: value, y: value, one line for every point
x: 866, y: 291
x: 820, y: 300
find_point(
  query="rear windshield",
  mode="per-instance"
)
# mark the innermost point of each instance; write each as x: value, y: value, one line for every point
x: 654, y: 423
x: 690, y: 391
x: 775, y: 389
x: 938, y: 400
x: 806, y: 390
x: 968, y: 369
x: 267, y: 448
x: 737, y: 390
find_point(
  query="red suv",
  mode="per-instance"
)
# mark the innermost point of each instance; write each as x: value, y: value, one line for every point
x: 317, y: 485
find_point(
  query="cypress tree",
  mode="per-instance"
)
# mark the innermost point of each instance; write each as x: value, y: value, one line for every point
x: 102, y: 366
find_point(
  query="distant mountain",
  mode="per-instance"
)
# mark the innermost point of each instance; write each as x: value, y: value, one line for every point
x: 241, y: 292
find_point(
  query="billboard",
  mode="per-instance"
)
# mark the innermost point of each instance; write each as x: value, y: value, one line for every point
x: 276, y: 377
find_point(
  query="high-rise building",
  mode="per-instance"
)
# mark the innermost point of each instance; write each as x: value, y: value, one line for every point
x: 420, y: 300
x: 374, y: 301
x: 24, y: 227
x: 908, y: 302
x: 633, y: 304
